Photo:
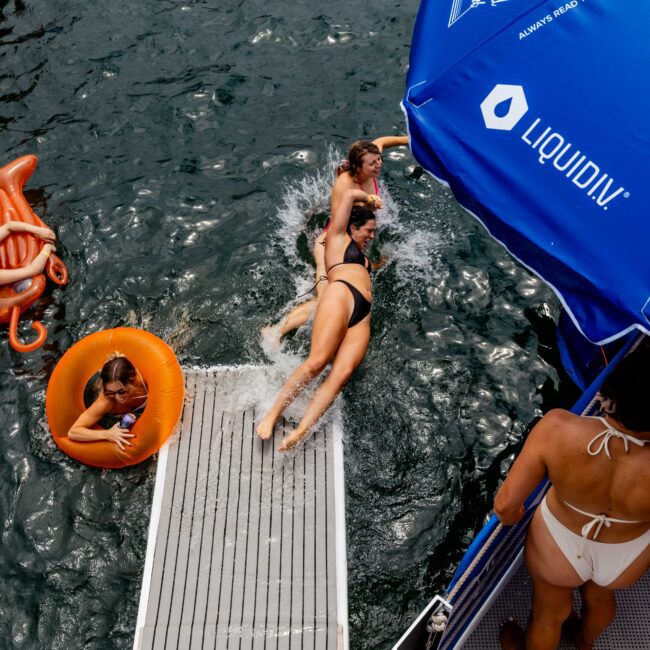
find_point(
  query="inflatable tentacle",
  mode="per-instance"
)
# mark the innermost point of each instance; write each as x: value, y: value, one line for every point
x: 13, y: 334
x: 14, y: 175
x: 20, y: 249
x: 57, y: 271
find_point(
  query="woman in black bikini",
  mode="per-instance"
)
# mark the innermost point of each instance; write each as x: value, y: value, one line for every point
x: 342, y: 323
x: 363, y: 168
x: 121, y: 390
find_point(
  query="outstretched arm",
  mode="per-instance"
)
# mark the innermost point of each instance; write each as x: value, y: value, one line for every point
x: 525, y: 474
x: 42, y: 232
x: 389, y: 141
x: 341, y: 215
x: 36, y: 266
x: 80, y: 431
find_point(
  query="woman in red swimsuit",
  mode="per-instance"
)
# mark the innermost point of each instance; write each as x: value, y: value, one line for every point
x: 360, y: 172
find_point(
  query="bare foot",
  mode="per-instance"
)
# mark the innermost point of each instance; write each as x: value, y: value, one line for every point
x: 265, y: 428
x: 271, y: 334
x: 573, y: 628
x: 290, y: 441
x: 512, y: 637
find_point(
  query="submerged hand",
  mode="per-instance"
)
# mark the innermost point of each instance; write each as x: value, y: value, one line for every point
x: 119, y: 436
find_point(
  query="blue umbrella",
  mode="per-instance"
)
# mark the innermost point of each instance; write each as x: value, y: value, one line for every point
x: 537, y: 115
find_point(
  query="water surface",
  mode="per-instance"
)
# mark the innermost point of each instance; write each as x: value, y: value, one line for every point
x: 186, y: 152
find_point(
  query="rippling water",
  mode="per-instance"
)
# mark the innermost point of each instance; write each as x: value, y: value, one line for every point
x: 185, y: 153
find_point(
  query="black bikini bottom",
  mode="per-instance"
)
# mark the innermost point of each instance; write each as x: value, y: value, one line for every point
x: 361, y: 305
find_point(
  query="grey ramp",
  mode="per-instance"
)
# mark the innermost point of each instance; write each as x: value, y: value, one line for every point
x: 244, y: 550
x: 630, y: 629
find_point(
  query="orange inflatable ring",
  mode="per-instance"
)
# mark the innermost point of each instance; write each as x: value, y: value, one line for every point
x: 160, y: 370
x: 19, y: 249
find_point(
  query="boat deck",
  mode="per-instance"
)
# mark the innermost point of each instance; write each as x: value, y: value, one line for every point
x: 630, y: 629
x: 246, y: 545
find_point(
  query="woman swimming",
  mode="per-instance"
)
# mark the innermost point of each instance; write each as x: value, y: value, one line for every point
x: 36, y: 266
x: 359, y: 171
x: 592, y: 530
x: 342, y: 323
x: 121, y: 390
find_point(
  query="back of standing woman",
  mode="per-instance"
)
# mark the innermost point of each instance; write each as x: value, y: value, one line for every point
x: 592, y: 530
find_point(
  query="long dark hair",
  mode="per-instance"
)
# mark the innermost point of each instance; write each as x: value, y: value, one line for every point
x: 118, y: 368
x: 359, y: 216
x: 628, y: 390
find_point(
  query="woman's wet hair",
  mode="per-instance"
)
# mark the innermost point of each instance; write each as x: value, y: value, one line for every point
x: 355, y: 156
x: 628, y: 390
x: 359, y: 216
x: 118, y: 368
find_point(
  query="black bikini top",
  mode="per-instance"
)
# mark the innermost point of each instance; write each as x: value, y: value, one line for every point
x: 353, y: 255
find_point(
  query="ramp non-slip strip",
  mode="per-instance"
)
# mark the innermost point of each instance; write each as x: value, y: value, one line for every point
x: 246, y: 547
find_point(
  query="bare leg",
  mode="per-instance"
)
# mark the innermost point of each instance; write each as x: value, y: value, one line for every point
x: 598, y: 611
x: 301, y: 314
x: 330, y: 326
x: 348, y: 357
x: 599, y: 603
x: 298, y: 317
x: 554, y: 580
x: 551, y: 607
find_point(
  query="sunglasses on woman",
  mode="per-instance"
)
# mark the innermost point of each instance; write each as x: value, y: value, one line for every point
x: 113, y: 393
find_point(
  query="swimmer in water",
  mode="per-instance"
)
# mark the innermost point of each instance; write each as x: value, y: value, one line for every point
x: 36, y: 266
x: 121, y: 390
x: 341, y: 329
x: 359, y: 171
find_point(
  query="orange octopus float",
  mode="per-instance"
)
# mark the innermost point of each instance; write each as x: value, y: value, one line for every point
x: 18, y: 250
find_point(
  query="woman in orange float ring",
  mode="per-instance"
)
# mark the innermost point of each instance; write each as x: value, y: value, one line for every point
x: 160, y: 384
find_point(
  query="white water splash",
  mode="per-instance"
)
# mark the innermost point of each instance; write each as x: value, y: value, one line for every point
x: 303, y: 198
x: 416, y: 256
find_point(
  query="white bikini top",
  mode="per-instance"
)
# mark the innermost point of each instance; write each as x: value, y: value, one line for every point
x: 598, y: 521
x: 607, y: 434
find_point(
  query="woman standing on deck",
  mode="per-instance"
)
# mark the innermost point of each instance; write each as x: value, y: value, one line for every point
x: 592, y: 530
x: 342, y: 323
x: 359, y: 171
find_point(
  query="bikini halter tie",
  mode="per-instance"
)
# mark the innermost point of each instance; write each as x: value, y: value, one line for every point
x: 606, y: 435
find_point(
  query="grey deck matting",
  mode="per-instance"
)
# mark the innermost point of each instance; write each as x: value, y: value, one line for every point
x: 630, y: 629
x: 245, y: 549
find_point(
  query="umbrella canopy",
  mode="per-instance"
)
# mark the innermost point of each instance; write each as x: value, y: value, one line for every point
x: 537, y: 115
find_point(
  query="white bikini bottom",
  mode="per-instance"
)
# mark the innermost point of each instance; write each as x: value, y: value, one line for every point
x: 602, y: 563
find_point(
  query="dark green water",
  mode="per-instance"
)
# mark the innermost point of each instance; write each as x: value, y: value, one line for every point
x: 183, y: 148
